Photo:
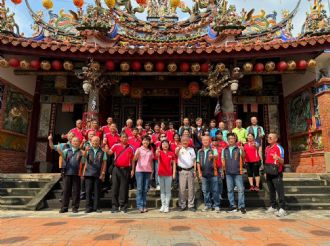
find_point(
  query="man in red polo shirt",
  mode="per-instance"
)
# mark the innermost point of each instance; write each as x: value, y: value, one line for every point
x: 106, y: 129
x: 121, y: 173
x: 135, y: 140
x: 111, y: 138
x: 274, y: 160
x: 128, y: 128
x: 95, y: 127
x: 77, y: 131
x: 156, y: 134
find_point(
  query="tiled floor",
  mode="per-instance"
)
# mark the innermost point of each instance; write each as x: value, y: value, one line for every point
x: 176, y: 228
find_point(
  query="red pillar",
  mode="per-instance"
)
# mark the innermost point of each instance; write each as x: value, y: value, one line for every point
x: 323, y: 87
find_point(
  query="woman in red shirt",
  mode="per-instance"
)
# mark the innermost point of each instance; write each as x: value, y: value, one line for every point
x: 166, y: 171
x: 252, y: 160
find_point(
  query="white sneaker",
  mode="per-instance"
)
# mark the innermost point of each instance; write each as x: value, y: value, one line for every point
x: 166, y: 210
x: 235, y: 188
x: 281, y: 213
x: 158, y: 187
x: 217, y: 209
x: 271, y: 210
x: 162, y: 209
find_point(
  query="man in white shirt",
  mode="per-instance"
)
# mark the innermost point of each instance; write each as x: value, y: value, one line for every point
x: 187, y: 169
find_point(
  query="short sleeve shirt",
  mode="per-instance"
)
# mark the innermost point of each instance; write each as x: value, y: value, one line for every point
x: 165, y: 163
x: 124, y: 160
x: 186, y: 157
x: 215, y: 153
x: 145, y: 160
x: 241, y: 134
x: 112, y: 138
x: 251, y: 152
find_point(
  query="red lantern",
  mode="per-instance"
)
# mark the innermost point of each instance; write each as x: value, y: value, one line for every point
x: 13, y: 62
x: 110, y: 65
x: 302, y: 64
x: 160, y: 66
x: 205, y: 67
x: 193, y: 88
x: 35, y: 64
x: 57, y: 65
x: 259, y: 67
x: 282, y: 66
x: 136, y: 66
x: 16, y: 1
x: 184, y: 67
x: 124, y: 88
x: 78, y: 3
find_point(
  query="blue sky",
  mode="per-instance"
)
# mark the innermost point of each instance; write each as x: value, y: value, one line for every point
x: 25, y: 21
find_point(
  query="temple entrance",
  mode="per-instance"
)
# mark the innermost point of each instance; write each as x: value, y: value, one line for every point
x: 155, y: 109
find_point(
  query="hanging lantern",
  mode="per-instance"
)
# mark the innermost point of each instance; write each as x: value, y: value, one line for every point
x: 193, y: 88
x: 184, y: 67
x: 68, y: 66
x: 248, y: 67
x: 291, y: 65
x: 195, y: 67
x: 136, y: 66
x: 110, y: 66
x: 87, y: 86
x: 136, y: 92
x: 205, y: 67
x: 16, y: 1
x: 95, y: 66
x: 124, y: 66
x: 270, y: 66
x: 256, y: 83
x: 172, y: 67
x: 160, y: 66
x: 234, y: 86
x: 148, y: 66
x: 110, y: 3
x: 221, y: 67
x: 142, y: 2
x: 312, y: 63
x: 124, y: 89
x: 48, y: 4
x: 13, y: 62
x: 302, y: 64
x: 259, y: 67
x: 57, y: 65
x: 45, y: 65
x: 175, y: 3
x: 78, y: 3
x: 35, y: 64
x: 282, y: 66
x: 4, y: 63
x: 24, y: 64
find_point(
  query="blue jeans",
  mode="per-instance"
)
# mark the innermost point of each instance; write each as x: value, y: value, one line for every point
x: 156, y: 172
x: 142, y: 183
x: 237, y: 180
x: 220, y: 183
x: 165, y: 190
x: 211, y: 186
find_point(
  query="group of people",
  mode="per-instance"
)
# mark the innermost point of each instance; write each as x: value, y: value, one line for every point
x: 138, y: 154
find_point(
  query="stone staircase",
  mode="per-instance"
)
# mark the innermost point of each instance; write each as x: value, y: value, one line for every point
x: 25, y: 191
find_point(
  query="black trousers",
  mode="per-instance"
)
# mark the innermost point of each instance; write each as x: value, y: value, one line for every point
x: 275, y: 185
x: 107, y: 182
x: 71, y: 187
x: 92, y: 193
x: 120, y: 179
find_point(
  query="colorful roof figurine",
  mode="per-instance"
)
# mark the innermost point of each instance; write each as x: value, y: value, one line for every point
x: 117, y: 27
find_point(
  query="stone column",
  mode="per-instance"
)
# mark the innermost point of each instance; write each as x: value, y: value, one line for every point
x: 93, y: 104
x: 323, y: 88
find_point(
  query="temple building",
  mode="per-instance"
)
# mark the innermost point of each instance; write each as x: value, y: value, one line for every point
x: 103, y: 60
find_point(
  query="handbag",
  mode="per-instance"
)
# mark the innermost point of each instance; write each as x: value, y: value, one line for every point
x: 271, y: 169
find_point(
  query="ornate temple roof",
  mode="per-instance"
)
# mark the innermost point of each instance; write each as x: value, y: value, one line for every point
x: 213, y: 27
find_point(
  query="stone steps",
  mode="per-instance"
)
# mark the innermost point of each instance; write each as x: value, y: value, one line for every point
x: 19, y: 191
x: 307, y: 198
x: 22, y: 184
x: 15, y: 200
x: 306, y: 189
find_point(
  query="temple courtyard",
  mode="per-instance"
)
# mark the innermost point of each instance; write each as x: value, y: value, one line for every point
x: 47, y: 227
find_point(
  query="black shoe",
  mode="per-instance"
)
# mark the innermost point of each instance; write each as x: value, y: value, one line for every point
x: 232, y: 209
x: 182, y: 209
x: 192, y: 209
x: 124, y: 210
x: 63, y: 210
x: 115, y: 210
x: 75, y: 210
x: 88, y: 210
x: 243, y: 210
